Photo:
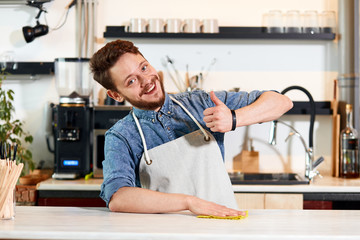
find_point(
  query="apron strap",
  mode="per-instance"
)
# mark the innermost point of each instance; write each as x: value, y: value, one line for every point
x: 146, y: 153
x: 207, y: 137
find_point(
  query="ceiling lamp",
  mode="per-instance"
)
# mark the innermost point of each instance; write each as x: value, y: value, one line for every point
x: 30, y: 33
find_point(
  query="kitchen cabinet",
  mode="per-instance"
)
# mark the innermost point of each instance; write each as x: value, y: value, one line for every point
x: 283, y: 201
x: 269, y: 201
x: 250, y: 200
x: 75, y: 193
x: 67, y: 198
x: 322, y: 193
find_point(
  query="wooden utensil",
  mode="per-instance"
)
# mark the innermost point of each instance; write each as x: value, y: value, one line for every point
x: 10, y: 172
x: 335, y: 130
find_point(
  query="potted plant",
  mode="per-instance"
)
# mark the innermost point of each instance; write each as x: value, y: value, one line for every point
x: 11, y: 129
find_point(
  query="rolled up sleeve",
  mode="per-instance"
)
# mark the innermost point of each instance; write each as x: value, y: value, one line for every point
x: 118, y: 166
x: 236, y: 100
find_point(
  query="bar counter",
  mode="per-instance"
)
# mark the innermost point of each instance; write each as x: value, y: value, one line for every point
x: 99, y: 223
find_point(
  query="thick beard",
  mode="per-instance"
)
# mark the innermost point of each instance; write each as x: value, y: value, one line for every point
x: 149, y: 105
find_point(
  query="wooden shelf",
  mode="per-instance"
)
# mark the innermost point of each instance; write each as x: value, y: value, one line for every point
x: 30, y: 68
x: 224, y: 33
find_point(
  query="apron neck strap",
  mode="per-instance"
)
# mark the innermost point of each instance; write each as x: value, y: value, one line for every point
x: 146, y: 153
x: 207, y: 137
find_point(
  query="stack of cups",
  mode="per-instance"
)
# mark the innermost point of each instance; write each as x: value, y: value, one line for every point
x: 172, y: 25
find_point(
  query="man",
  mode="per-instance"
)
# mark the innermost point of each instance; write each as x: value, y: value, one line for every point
x: 167, y: 154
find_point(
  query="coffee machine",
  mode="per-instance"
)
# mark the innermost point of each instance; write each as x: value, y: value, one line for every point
x: 72, y: 118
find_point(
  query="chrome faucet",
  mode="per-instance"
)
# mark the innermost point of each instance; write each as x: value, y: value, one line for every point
x: 310, y: 165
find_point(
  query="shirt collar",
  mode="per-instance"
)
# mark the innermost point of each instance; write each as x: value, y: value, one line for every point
x: 166, y: 109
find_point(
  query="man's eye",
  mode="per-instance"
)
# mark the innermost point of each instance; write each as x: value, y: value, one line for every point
x: 144, y: 68
x: 131, y: 81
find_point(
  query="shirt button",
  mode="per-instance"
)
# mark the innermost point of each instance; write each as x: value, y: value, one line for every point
x: 169, y: 112
x: 153, y: 120
x: 160, y: 115
x: 168, y: 128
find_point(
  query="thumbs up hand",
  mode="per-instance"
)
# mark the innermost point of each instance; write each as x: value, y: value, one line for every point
x: 218, y: 118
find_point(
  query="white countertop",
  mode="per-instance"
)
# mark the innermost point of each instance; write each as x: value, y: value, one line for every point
x: 325, y: 184
x: 99, y: 223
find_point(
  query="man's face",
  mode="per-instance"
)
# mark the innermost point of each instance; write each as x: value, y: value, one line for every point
x: 137, y: 82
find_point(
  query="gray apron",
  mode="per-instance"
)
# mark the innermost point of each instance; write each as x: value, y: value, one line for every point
x: 191, y: 164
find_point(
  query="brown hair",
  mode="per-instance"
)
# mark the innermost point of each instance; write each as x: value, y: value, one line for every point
x: 106, y: 57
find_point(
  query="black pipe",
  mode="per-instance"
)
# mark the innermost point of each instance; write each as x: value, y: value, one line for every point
x: 312, y: 110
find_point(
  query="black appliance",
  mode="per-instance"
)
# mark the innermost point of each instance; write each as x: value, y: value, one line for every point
x: 72, y: 125
x: 72, y: 118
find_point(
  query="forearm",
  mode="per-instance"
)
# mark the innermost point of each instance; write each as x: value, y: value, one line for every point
x: 139, y: 200
x: 269, y: 106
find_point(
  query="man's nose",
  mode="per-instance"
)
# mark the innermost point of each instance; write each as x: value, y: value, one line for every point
x: 144, y: 80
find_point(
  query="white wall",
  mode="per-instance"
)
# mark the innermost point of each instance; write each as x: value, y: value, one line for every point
x: 247, y: 64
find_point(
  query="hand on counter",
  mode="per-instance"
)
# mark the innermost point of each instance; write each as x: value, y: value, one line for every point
x: 140, y: 200
x: 201, y: 207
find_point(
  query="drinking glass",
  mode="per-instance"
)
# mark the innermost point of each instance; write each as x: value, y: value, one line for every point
x: 274, y: 22
x: 311, y: 22
x: 328, y: 22
x: 293, y: 21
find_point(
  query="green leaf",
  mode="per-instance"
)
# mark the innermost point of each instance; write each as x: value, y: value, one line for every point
x: 29, y: 139
x: 11, y: 130
x: 10, y: 95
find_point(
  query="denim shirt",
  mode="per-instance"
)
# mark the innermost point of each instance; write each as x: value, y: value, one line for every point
x: 123, y: 145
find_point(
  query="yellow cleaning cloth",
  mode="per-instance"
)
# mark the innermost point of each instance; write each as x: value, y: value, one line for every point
x: 228, y: 217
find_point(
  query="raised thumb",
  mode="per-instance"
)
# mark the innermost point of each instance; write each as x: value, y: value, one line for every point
x: 215, y: 99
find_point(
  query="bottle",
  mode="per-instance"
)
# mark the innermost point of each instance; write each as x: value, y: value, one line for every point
x: 349, y: 148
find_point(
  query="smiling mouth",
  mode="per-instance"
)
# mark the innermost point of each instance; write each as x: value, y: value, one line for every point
x: 149, y: 88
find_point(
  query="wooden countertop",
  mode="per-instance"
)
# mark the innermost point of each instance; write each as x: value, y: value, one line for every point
x: 93, y: 184
x: 325, y: 184
x: 99, y: 223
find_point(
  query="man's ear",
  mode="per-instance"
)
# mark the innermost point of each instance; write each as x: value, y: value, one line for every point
x: 115, y: 95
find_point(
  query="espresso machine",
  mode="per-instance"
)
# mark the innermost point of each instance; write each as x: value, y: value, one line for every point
x: 72, y: 118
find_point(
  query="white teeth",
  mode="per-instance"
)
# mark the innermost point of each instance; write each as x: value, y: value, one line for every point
x: 153, y: 86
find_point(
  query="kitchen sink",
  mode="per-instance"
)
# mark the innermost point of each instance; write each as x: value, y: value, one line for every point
x: 267, y: 178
